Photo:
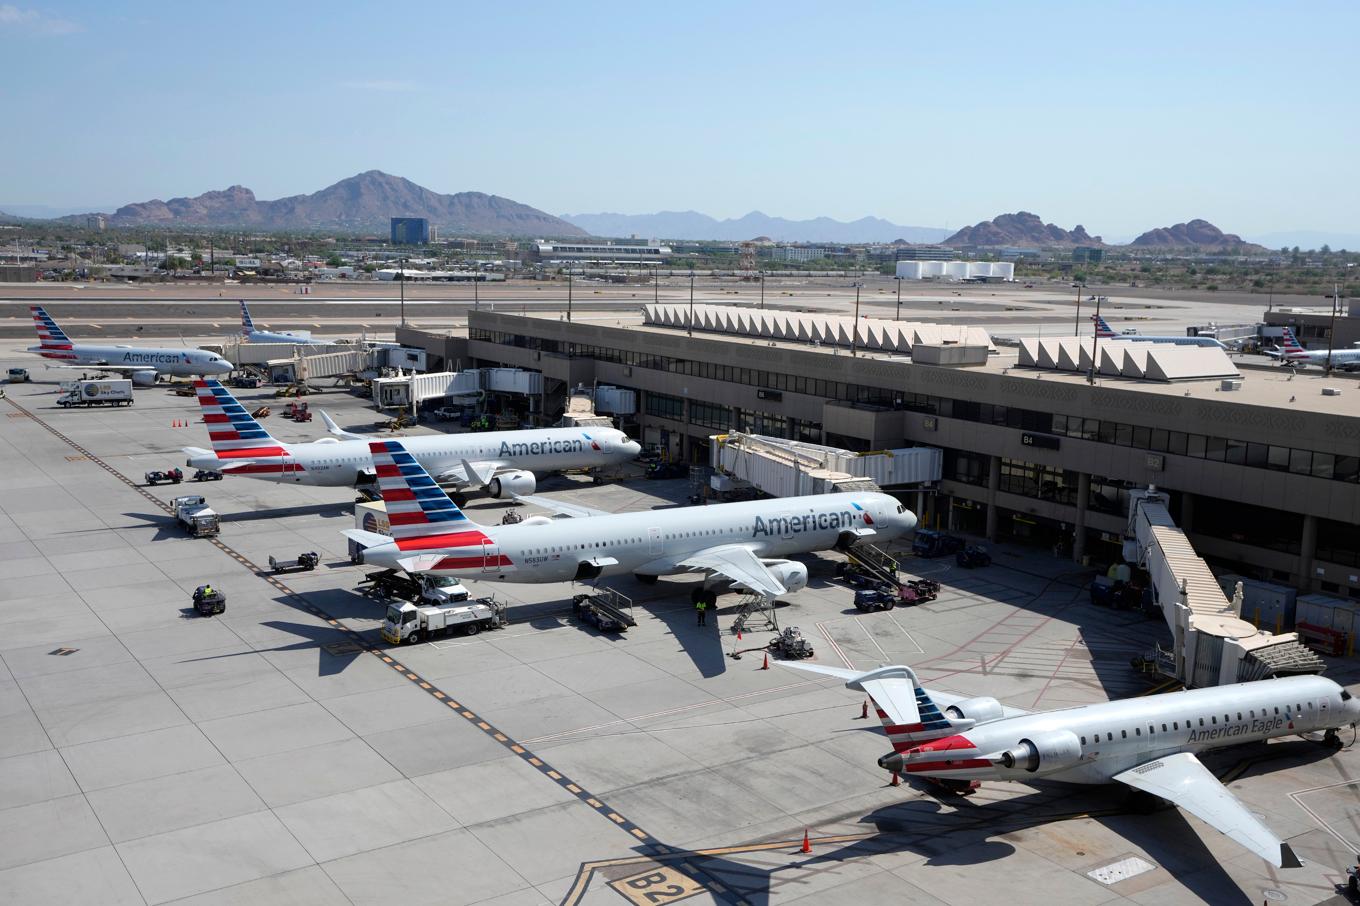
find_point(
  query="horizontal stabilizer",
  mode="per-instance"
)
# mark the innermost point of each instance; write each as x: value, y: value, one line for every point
x: 573, y: 510
x: 366, y: 538
x: 893, y: 689
x: 419, y: 563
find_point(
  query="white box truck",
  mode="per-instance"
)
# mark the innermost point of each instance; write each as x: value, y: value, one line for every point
x: 408, y: 623
x: 98, y: 393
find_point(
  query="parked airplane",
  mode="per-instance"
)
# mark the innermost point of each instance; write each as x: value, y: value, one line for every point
x: 1105, y: 332
x: 501, y: 462
x: 251, y: 335
x: 141, y: 363
x: 744, y: 542
x: 1147, y: 743
x: 1291, y: 352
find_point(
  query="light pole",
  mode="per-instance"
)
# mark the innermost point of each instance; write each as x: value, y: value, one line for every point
x: 568, y: 297
x: 476, y: 293
x: 656, y: 283
x: 762, y: 290
x: 691, y: 303
x: 854, y: 328
x: 899, y: 297
x: 402, y: 262
x: 1076, y: 328
x: 1331, y: 331
x: 1095, y: 338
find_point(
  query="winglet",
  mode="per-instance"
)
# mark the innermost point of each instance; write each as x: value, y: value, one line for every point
x: 333, y: 428
x: 477, y: 478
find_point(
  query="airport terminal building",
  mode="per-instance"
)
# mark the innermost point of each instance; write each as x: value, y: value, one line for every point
x: 1264, y: 476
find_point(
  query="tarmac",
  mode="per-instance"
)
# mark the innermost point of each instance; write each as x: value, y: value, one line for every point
x: 283, y: 753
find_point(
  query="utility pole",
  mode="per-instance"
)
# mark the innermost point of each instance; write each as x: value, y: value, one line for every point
x: 1095, y: 338
x: 1076, y: 329
x: 854, y: 328
x: 899, y: 297
x: 476, y: 293
x: 691, y: 303
x: 656, y: 283
x: 1331, y: 331
x: 402, y: 262
x: 762, y: 290
x: 568, y: 297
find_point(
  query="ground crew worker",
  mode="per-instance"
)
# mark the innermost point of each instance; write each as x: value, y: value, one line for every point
x: 701, y: 609
x: 207, y: 591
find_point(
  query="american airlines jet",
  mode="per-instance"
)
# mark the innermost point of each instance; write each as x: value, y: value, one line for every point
x: 141, y: 363
x: 747, y: 543
x: 1147, y: 743
x: 251, y: 335
x: 1106, y: 332
x: 1291, y: 352
x: 501, y: 462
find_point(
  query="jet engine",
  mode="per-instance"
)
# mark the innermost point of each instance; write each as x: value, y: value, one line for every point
x: 508, y: 484
x: 1051, y: 751
x: 978, y: 710
x: 792, y: 574
x: 143, y: 378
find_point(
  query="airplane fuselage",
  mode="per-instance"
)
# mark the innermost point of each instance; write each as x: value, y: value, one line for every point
x: 162, y: 360
x: 542, y: 550
x: 265, y: 336
x: 339, y: 463
x: 1092, y: 743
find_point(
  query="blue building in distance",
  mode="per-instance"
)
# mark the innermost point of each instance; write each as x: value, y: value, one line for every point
x: 410, y: 231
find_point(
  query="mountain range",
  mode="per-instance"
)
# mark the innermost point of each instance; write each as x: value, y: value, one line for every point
x: 362, y: 203
x: 1021, y: 228
x: 693, y: 225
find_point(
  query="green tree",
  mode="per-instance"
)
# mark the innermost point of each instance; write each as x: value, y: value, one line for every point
x: 334, y: 261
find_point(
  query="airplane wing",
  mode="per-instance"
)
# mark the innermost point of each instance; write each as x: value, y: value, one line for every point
x: 573, y: 510
x: 475, y: 474
x: 333, y: 428
x: 1184, y: 780
x: 102, y: 366
x: 738, y: 564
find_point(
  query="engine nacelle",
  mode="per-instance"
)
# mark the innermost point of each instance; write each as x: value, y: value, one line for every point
x: 790, y: 573
x: 979, y: 710
x: 1050, y: 751
x: 143, y: 378
x: 507, y: 484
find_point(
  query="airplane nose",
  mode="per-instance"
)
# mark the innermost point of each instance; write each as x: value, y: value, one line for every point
x: 908, y: 521
x: 632, y: 448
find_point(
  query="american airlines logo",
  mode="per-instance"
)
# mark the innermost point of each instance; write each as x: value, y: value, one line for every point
x: 153, y: 358
x: 805, y: 522
x: 1253, y: 727
x: 536, y: 447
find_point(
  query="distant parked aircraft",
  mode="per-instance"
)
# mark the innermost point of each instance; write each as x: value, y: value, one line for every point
x: 1105, y: 332
x: 140, y: 363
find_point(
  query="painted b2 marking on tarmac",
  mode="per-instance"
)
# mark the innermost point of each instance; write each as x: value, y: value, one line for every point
x: 662, y: 884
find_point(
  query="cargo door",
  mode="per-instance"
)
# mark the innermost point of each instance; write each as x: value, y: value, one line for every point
x: 491, y: 556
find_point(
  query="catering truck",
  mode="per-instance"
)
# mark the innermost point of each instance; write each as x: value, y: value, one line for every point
x: 116, y: 392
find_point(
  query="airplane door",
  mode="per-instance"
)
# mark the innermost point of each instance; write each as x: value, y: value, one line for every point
x: 654, y: 542
x: 291, y: 470
x: 491, y: 556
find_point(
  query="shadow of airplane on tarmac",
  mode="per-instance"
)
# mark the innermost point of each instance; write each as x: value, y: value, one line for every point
x: 336, y: 649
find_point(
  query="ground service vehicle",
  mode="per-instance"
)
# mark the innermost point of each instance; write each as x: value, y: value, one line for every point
x: 207, y: 475
x: 19, y: 376
x: 930, y: 543
x: 198, y: 519
x: 408, y: 623
x: 973, y: 556
x: 422, y: 588
x: 98, y: 393
x: 208, y: 602
x: 156, y: 476
x: 301, y: 563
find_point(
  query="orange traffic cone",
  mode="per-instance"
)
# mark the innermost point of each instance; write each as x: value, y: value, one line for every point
x: 864, y: 710
x: 895, y: 780
x: 766, y: 665
x: 738, y: 635
x: 807, y: 843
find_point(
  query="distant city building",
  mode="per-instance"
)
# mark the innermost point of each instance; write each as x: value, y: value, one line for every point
x: 95, y: 222
x: 410, y: 231
x: 913, y: 253
x: 797, y: 253
x: 1085, y: 254
x: 956, y: 270
x: 651, y: 252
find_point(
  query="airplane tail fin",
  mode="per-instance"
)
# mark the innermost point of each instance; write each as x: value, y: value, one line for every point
x: 1103, y: 329
x: 247, y: 323
x: 50, y: 335
x: 1290, y: 343
x: 909, y: 715
x: 234, y: 432
x: 421, y: 515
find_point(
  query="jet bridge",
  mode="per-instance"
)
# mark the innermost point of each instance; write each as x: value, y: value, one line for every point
x: 1212, y: 645
x: 790, y: 468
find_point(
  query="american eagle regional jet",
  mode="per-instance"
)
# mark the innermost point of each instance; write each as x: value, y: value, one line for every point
x: 250, y: 334
x: 746, y: 543
x: 140, y: 363
x: 501, y: 462
x: 1147, y: 743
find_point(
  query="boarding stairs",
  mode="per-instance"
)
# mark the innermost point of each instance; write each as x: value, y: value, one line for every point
x: 607, y: 607
x: 755, y: 607
x: 875, y: 562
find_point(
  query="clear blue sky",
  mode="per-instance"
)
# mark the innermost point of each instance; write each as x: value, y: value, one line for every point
x: 1120, y: 116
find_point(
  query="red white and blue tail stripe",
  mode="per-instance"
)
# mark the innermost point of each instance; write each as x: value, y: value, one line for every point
x: 53, y: 343
x: 1290, y: 345
x: 247, y: 323
x: 234, y: 432
x: 423, y: 517
x: 932, y: 724
x: 1103, y: 329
